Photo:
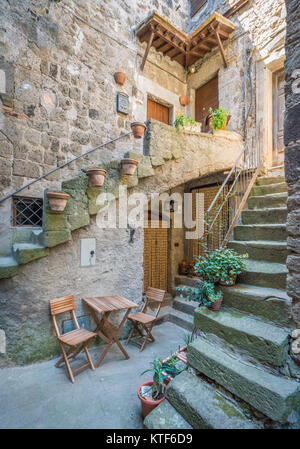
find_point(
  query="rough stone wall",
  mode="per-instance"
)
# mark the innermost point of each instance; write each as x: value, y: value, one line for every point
x: 58, y: 90
x: 292, y: 152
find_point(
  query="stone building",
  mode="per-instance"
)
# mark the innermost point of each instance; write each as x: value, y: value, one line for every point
x: 60, y: 98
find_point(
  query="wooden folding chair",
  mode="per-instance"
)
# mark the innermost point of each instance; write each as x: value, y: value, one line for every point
x: 77, y: 340
x: 144, y: 320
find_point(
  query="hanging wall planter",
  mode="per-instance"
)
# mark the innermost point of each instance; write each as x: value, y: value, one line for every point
x: 96, y: 176
x: 129, y: 166
x: 120, y: 78
x: 57, y: 200
x: 184, y: 100
x: 138, y: 129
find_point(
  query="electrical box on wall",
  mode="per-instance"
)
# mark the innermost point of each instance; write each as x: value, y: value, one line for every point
x: 87, y: 252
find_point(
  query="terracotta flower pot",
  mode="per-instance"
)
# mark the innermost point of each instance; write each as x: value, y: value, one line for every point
x: 57, y: 200
x: 147, y: 404
x: 216, y: 306
x: 120, y: 78
x: 138, y: 129
x: 184, y: 100
x: 96, y: 176
x: 129, y: 166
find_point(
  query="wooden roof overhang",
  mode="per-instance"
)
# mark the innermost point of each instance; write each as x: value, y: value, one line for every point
x: 186, y: 50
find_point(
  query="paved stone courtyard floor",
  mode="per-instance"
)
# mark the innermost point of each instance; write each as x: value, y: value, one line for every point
x: 40, y: 396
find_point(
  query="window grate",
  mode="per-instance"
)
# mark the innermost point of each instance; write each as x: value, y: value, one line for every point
x: 27, y: 211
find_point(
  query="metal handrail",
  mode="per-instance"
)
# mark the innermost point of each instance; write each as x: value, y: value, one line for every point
x: 53, y: 170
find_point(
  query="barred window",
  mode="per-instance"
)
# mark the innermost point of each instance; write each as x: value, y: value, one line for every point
x: 27, y: 211
x: 196, y: 5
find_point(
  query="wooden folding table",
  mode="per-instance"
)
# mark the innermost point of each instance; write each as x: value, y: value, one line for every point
x: 105, y: 305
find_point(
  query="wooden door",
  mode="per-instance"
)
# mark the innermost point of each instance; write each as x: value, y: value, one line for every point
x: 278, y: 118
x: 157, y: 111
x: 155, y: 257
x: 207, y: 96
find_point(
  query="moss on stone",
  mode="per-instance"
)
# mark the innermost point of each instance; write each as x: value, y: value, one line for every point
x: 56, y: 221
x: 54, y: 238
x: 227, y: 408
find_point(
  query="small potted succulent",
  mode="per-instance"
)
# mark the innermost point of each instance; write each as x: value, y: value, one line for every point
x: 138, y: 129
x: 120, y: 78
x: 129, y: 166
x: 218, y: 118
x: 96, y: 176
x: 152, y: 392
x: 57, y: 200
x: 204, y: 293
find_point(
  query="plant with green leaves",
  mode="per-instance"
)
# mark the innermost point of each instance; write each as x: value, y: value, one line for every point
x: 181, y: 121
x: 159, y: 376
x: 221, y: 264
x: 170, y: 367
x: 204, y: 293
x: 218, y: 117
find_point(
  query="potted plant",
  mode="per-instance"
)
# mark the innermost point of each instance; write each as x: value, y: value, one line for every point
x: 182, y: 122
x: 172, y: 366
x: 96, y: 176
x: 230, y: 264
x: 120, y: 78
x: 57, y: 200
x: 204, y: 293
x: 138, y: 129
x: 184, y: 100
x: 152, y: 392
x: 129, y: 166
x: 218, y: 118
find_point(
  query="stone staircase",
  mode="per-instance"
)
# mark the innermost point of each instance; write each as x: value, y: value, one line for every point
x: 241, y: 373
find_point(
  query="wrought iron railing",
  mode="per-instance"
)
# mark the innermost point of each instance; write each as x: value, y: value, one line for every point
x: 65, y: 164
x: 232, y: 196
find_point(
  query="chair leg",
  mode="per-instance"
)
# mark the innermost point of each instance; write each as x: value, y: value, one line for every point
x: 130, y: 335
x: 89, y: 357
x: 67, y: 364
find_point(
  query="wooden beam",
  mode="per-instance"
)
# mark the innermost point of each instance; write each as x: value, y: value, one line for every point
x: 221, y: 48
x: 235, y: 8
x: 168, y: 39
x: 150, y: 40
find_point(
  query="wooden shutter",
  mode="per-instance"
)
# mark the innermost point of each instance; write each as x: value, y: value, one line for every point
x: 157, y: 111
x: 196, y: 5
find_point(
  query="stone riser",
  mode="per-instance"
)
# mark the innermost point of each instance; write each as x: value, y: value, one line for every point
x: 270, y: 216
x: 267, y: 201
x: 275, y: 252
x: 268, y: 189
x: 267, y: 180
x: 260, y: 232
x: 271, y: 280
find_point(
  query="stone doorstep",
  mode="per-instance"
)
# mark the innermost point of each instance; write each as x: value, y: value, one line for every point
x: 263, y: 341
x: 264, y: 216
x: 274, y: 396
x: 204, y: 407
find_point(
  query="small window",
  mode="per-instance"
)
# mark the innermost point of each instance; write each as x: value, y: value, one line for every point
x: 196, y: 5
x: 27, y: 211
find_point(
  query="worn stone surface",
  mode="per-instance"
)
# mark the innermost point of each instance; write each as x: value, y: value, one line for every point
x: 274, y: 396
x: 212, y: 411
x: 164, y: 416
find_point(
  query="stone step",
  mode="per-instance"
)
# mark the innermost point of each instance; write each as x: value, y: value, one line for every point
x: 274, y: 232
x: 266, y: 180
x: 267, y: 201
x: 261, y: 250
x: 266, y: 303
x: 268, y: 189
x: 204, y: 407
x: 27, y: 252
x: 264, y: 274
x: 274, y: 396
x: 181, y: 280
x: 264, y: 341
x: 266, y: 216
x: 182, y: 319
x: 183, y: 305
x: 165, y: 416
x: 37, y: 237
x: 8, y: 267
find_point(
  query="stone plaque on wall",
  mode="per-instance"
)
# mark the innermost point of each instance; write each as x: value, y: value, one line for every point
x: 122, y: 103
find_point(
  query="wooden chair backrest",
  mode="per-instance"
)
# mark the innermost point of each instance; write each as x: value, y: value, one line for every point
x: 61, y: 305
x: 154, y: 295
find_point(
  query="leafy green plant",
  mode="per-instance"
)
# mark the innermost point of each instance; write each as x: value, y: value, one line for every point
x: 204, y: 293
x: 188, y: 338
x: 222, y: 264
x: 181, y: 121
x: 219, y: 117
x: 170, y: 367
x: 159, y: 376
